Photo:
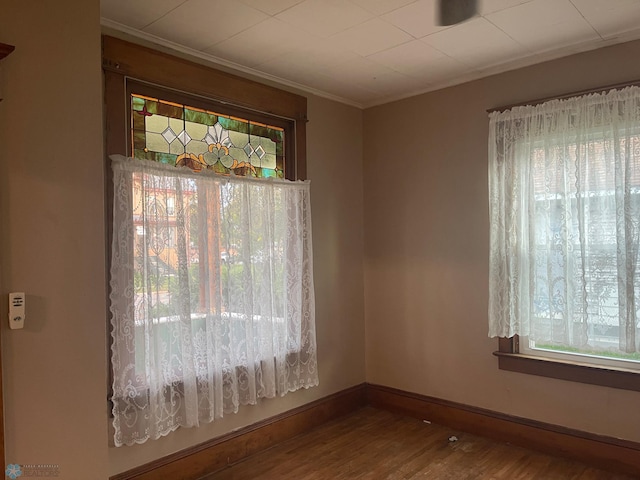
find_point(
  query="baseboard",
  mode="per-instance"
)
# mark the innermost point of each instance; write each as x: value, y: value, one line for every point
x: 608, y: 453
x: 208, y: 457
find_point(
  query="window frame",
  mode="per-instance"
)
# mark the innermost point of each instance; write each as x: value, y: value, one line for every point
x: 165, y: 94
x: 565, y: 356
x: 124, y: 62
x: 508, y: 352
x: 510, y: 359
x: 126, y: 65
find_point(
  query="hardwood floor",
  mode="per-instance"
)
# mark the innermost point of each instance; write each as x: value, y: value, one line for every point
x: 375, y: 444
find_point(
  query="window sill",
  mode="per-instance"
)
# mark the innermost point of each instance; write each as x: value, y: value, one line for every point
x: 572, y: 371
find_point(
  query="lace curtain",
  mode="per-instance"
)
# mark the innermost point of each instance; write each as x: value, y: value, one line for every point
x: 564, y: 198
x: 212, y: 297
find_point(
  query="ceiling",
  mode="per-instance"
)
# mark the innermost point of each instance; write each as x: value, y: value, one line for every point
x: 368, y: 52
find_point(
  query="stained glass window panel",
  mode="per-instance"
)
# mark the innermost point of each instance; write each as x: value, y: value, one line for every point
x: 198, y: 147
x: 178, y: 134
x: 154, y: 123
x: 155, y: 142
x: 200, y: 116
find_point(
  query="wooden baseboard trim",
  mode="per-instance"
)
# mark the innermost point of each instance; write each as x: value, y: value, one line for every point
x: 208, y: 457
x: 604, y: 452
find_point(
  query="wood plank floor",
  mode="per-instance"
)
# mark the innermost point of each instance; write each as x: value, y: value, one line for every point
x: 374, y: 444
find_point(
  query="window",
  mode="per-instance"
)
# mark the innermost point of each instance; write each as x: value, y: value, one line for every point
x: 565, y: 231
x: 212, y: 300
x: 175, y: 134
x: 178, y: 134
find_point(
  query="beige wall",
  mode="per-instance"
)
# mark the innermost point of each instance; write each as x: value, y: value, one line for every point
x: 426, y: 248
x: 52, y: 242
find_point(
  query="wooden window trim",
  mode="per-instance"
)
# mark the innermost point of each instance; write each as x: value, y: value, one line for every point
x: 511, y: 360
x: 123, y: 61
x: 508, y: 353
x: 125, y: 64
x: 5, y: 50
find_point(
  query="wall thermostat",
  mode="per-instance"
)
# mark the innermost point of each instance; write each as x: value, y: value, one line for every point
x: 16, y: 310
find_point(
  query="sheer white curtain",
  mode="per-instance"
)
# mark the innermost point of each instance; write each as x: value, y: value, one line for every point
x: 564, y: 193
x: 212, y: 296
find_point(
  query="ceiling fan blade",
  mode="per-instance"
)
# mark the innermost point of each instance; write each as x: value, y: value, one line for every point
x: 456, y: 11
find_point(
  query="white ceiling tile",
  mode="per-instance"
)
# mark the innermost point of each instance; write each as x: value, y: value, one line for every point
x: 393, y: 83
x: 380, y: 7
x: 610, y: 17
x: 325, y: 17
x: 372, y: 36
x: 271, y: 7
x: 338, y: 87
x: 274, y: 37
x: 408, y: 57
x: 201, y: 23
x: 537, y: 13
x: 476, y: 43
x: 313, y: 52
x: 287, y: 67
x: 418, y: 19
x: 594, y: 6
x: 358, y: 70
x: 137, y: 14
x: 490, y: 6
x: 532, y: 25
x: 421, y: 61
x: 361, y: 72
x: 292, y: 71
x: 562, y: 35
x: 441, y: 70
x: 306, y: 60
